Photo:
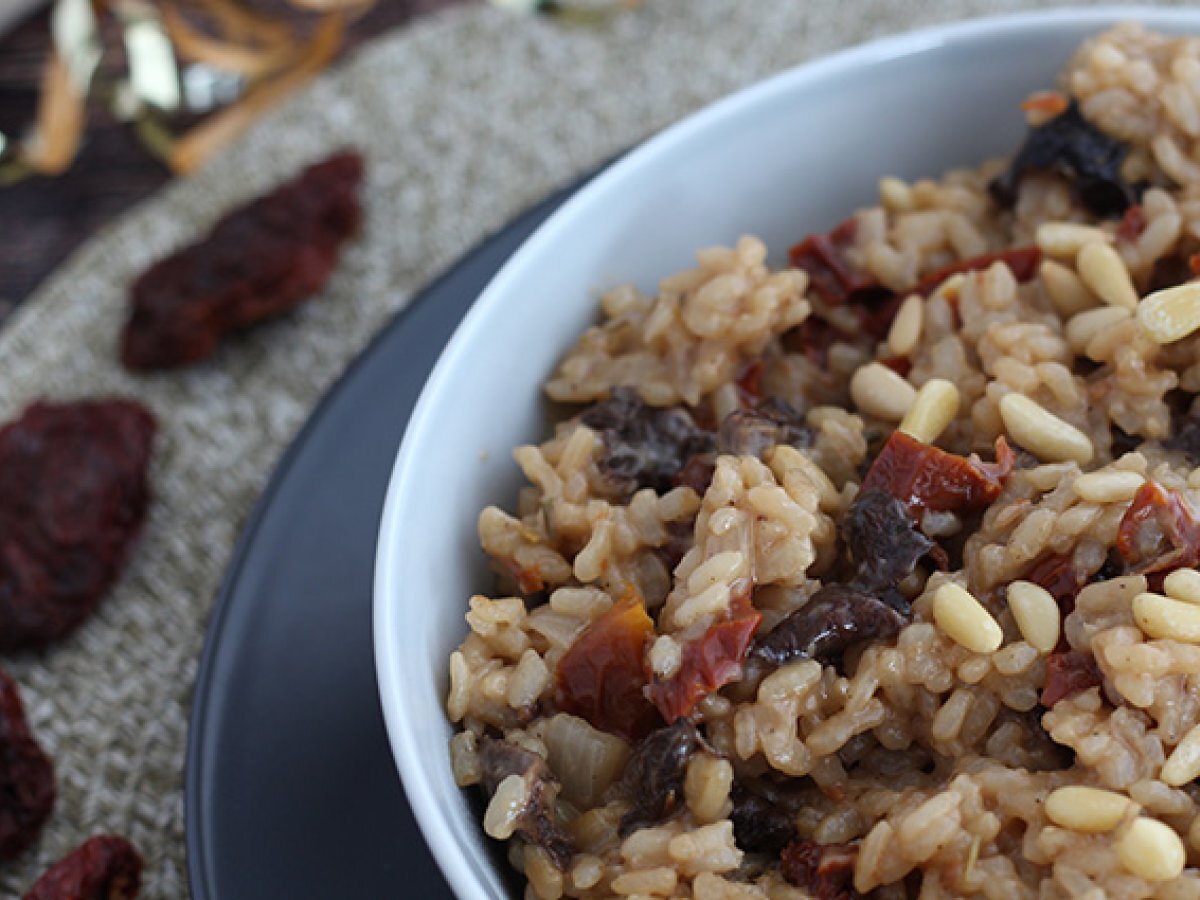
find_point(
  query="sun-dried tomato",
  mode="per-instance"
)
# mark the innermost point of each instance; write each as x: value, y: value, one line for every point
x: 1133, y: 223
x: 709, y: 662
x: 824, y: 870
x: 830, y: 276
x: 901, y: 365
x: 922, y: 476
x: 73, y: 494
x: 1023, y: 262
x: 1068, y: 672
x: 258, y: 261
x: 27, y: 788
x: 749, y: 383
x: 1059, y: 575
x: 106, y: 867
x: 1176, y: 523
x: 602, y: 676
x: 812, y: 338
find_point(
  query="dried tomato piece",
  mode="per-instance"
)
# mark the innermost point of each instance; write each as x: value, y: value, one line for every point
x: 901, y: 365
x: 709, y: 662
x: 834, y: 618
x: 258, y: 261
x: 1023, y: 262
x: 1159, y: 514
x: 812, y: 338
x: 73, y: 494
x: 106, y: 867
x: 1073, y: 147
x: 1059, y: 575
x: 830, y: 275
x: 602, y: 677
x: 654, y: 775
x: 824, y: 870
x: 922, y: 476
x: 1133, y: 223
x: 27, y: 788
x: 749, y: 383
x: 1068, y: 672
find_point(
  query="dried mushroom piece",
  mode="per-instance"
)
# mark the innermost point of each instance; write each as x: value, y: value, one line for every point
x: 834, y: 618
x: 533, y: 814
x: 655, y: 774
x: 644, y: 446
x: 1073, y: 147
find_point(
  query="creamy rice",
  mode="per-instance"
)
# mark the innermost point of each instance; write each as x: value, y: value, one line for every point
x: 739, y: 650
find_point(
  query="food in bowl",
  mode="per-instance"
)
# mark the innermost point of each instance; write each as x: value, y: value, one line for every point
x: 876, y: 572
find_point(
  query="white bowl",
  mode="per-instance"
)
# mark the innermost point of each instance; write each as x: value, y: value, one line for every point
x: 791, y: 155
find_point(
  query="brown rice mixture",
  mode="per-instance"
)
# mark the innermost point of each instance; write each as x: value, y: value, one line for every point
x: 876, y: 575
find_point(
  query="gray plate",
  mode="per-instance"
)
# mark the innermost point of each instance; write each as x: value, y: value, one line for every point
x: 291, y: 790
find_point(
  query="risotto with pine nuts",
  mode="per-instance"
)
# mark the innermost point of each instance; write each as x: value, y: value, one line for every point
x: 876, y: 573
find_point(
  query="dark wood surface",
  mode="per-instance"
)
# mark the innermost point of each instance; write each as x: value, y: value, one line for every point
x: 44, y: 219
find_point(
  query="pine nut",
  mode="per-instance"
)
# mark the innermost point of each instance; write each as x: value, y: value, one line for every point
x: 1108, y: 487
x: 1037, y: 614
x: 1042, y: 433
x: 1183, y: 584
x: 881, y: 392
x: 895, y: 194
x: 965, y: 620
x: 1103, y: 271
x: 1082, y: 329
x: 905, y: 332
x: 1151, y: 850
x: 1172, y: 314
x: 1068, y: 294
x: 505, y: 808
x: 1066, y: 238
x: 1087, y: 809
x: 1183, y: 765
x: 1162, y: 617
x: 934, y: 408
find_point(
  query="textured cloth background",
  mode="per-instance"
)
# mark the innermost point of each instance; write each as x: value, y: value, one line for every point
x: 465, y: 119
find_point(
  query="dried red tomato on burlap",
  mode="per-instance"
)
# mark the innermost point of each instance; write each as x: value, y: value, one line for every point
x: 106, y: 867
x: 26, y: 776
x: 258, y: 261
x: 73, y: 494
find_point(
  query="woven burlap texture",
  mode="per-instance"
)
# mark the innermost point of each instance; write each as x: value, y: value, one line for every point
x: 465, y: 119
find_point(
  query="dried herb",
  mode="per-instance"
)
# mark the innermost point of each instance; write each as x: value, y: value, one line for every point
x: 1073, y: 147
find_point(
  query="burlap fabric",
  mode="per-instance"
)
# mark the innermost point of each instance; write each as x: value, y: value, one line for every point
x: 465, y: 119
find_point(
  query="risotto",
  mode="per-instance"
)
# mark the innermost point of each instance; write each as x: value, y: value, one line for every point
x: 876, y: 574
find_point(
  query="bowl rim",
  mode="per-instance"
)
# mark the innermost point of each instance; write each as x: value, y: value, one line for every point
x: 430, y: 814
